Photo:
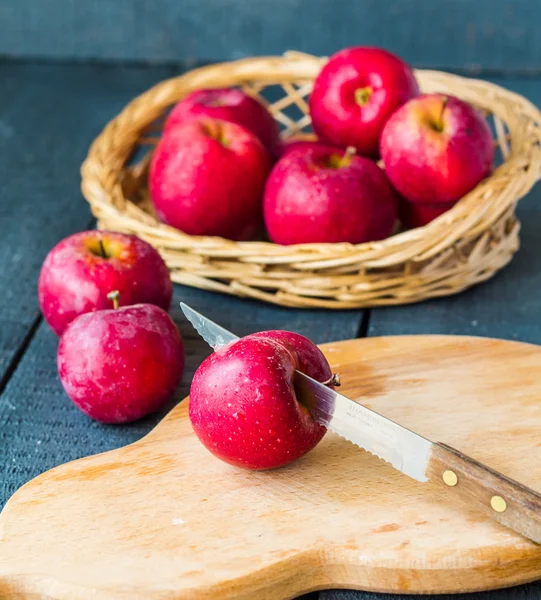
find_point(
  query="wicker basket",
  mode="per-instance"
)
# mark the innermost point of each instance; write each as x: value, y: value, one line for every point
x: 466, y: 245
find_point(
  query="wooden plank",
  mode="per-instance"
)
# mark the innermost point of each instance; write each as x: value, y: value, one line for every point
x: 490, y: 34
x: 48, y: 117
x: 524, y: 592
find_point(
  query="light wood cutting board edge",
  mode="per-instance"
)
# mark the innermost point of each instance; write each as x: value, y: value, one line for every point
x: 313, y: 569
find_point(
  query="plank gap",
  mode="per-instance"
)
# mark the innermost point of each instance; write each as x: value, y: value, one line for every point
x: 19, y: 353
x: 364, y: 323
x: 178, y: 66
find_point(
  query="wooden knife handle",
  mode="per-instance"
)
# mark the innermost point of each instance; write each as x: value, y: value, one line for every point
x: 508, y: 502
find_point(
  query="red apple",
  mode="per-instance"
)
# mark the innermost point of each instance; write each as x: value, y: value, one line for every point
x: 417, y: 215
x: 354, y: 95
x: 207, y: 178
x: 243, y: 403
x: 436, y: 148
x: 295, y: 143
x: 321, y: 195
x: 232, y: 105
x: 122, y: 364
x: 79, y: 272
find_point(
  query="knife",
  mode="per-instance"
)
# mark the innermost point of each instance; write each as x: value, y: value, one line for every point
x: 503, y: 499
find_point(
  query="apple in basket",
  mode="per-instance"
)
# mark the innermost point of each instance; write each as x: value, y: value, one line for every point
x: 82, y: 269
x: 228, y: 104
x: 243, y: 404
x: 207, y: 178
x: 121, y: 364
x: 414, y: 215
x: 296, y: 143
x: 322, y: 195
x: 436, y: 148
x: 354, y: 95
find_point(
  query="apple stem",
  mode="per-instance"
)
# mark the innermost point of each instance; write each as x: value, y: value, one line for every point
x: 334, y: 379
x: 220, y: 136
x: 362, y: 95
x: 443, y: 107
x: 102, y: 248
x: 114, y: 296
x: 348, y: 155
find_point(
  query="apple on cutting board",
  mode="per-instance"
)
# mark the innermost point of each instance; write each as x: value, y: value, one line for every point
x: 243, y: 404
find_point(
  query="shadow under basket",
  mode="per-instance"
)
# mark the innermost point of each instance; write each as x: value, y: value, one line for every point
x: 462, y: 247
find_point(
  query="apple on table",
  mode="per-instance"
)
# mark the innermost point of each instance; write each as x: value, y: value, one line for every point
x: 82, y: 269
x: 121, y: 364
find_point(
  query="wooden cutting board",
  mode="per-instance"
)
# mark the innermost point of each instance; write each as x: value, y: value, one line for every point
x: 162, y: 518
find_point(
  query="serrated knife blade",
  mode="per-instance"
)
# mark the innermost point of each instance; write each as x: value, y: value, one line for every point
x: 403, y: 449
x: 506, y: 501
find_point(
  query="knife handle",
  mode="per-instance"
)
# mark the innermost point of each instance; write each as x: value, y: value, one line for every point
x: 508, y: 502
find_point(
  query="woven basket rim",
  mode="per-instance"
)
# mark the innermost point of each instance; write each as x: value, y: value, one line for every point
x: 245, y: 67
x: 464, y: 246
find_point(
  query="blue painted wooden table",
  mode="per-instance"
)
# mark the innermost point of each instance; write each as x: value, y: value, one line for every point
x: 49, y: 113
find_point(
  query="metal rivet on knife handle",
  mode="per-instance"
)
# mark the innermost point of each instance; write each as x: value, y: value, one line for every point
x: 450, y: 478
x: 507, y: 501
x: 498, y: 504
